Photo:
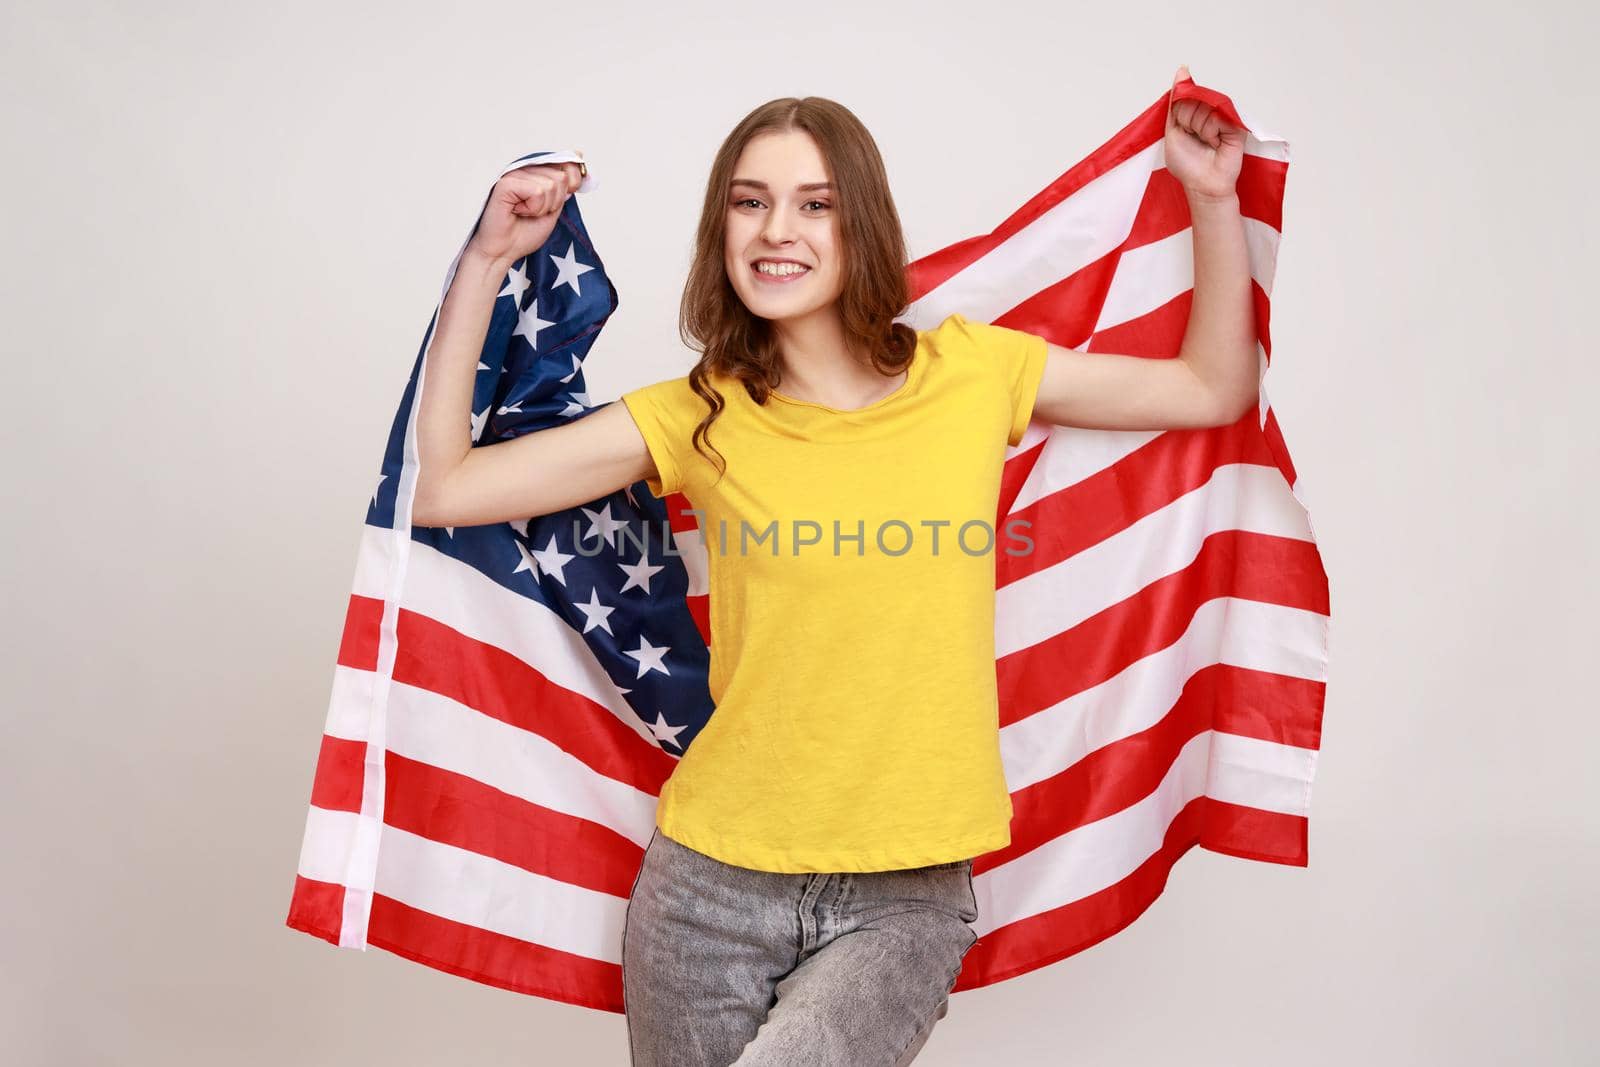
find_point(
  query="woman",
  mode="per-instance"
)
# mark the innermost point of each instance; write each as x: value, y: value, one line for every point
x: 807, y: 894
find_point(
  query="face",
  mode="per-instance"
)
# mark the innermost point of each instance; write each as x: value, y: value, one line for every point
x: 781, y: 246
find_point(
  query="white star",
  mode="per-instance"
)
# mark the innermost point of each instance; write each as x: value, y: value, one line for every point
x: 569, y: 270
x: 649, y: 657
x: 529, y: 324
x: 577, y: 365
x: 479, y: 421
x: 594, y: 613
x: 664, y: 731
x: 526, y: 562
x: 510, y: 409
x: 551, y: 560
x: 627, y: 491
x: 375, y: 489
x: 577, y: 404
x: 639, y: 573
x: 519, y: 525
x: 484, y: 366
x: 602, y: 524
x: 516, y: 284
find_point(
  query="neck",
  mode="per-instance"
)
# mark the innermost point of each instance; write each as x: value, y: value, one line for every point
x: 817, y: 363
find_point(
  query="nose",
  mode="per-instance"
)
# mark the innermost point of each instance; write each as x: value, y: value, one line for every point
x: 778, y: 230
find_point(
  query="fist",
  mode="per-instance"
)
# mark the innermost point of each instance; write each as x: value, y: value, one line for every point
x: 523, y: 208
x: 1204, y: 151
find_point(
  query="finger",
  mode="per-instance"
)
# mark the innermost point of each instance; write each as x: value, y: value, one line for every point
x: 1183, y: 115
x: 574, y: 176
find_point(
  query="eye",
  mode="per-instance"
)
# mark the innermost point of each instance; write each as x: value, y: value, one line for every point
x: 747, y: 200
x: 823, y: 204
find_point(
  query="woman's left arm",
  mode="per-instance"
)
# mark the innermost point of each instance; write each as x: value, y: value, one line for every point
x: 1214, y: 379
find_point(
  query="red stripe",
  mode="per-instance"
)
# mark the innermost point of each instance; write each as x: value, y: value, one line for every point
x: 337, y: 785
x: 1259, y: 188
x: 358, y: 645
x: 1274, y: 570
x: 1253, y: 834
x: 1278, y: 447
x: 494, y: 959
x: 492, y: 681
x: 1169, y: 466
x: 700, y: 612
x: 1053, y: 935
x: 1113, y: 778
x: 317, y: 908
x: 454, y: 809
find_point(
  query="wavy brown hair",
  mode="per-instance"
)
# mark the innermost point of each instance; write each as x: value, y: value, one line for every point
x: 712, y: 319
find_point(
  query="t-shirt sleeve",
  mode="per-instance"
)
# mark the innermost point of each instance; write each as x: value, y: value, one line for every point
x: 666, y: 413
x: 1018, y: 359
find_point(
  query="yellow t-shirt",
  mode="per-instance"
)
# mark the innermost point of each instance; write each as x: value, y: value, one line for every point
x: 856, y: 722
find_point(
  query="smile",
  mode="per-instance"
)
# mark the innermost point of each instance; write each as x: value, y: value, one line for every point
x: 779, y: 273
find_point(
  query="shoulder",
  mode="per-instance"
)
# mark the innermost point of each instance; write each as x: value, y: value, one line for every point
x: 959, y: 334
x: 669, y: 396
x: 1001, y: 349
x: 952, y: 332
x: 959, y: 343
x: 959, y: 340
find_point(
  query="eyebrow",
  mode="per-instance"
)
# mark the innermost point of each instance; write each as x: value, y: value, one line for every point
x: 808, y: 187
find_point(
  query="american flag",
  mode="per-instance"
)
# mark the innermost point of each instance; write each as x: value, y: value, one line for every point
x: 509, y: 699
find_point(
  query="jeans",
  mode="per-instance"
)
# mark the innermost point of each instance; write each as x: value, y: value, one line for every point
x: 726, y: 965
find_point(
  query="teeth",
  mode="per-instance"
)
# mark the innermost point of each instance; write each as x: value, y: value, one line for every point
x: 780, y: 268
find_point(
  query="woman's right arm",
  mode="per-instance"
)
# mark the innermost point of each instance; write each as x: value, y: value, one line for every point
x: 537, y: 473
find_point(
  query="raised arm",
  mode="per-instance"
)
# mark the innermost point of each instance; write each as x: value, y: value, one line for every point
x: 537, y: 473
x: 1215, y: 377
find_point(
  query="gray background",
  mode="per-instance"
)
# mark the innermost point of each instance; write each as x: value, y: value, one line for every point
x: 226, y: 226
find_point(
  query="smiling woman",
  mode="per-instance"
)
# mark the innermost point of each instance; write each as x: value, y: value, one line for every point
x: 852, y: 765
x: 798, y: 219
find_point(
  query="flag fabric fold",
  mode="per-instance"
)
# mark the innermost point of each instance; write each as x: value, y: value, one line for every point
x: 508, y: 699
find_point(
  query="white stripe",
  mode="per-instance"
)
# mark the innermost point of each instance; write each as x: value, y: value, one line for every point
x: 1237, y: 633
x: 473, y: 889
x: 1151, y: 276
x: 1093, y: 856
x: 1078, y: 231
x: 395, y: 573
x: 1261, y: 774
x: 1238, y: 496
x: 1071, y: 454
x: 463, y: 598
x: 1098, y: 855
x: 443, y: 733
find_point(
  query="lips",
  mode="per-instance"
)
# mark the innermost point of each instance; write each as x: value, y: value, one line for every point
x: 779, y: 279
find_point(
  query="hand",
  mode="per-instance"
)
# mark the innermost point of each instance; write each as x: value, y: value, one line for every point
x: 1203, y: 149
x: 522, y: 210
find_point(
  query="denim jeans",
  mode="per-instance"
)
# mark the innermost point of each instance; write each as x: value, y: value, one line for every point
x: 726, y: 965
